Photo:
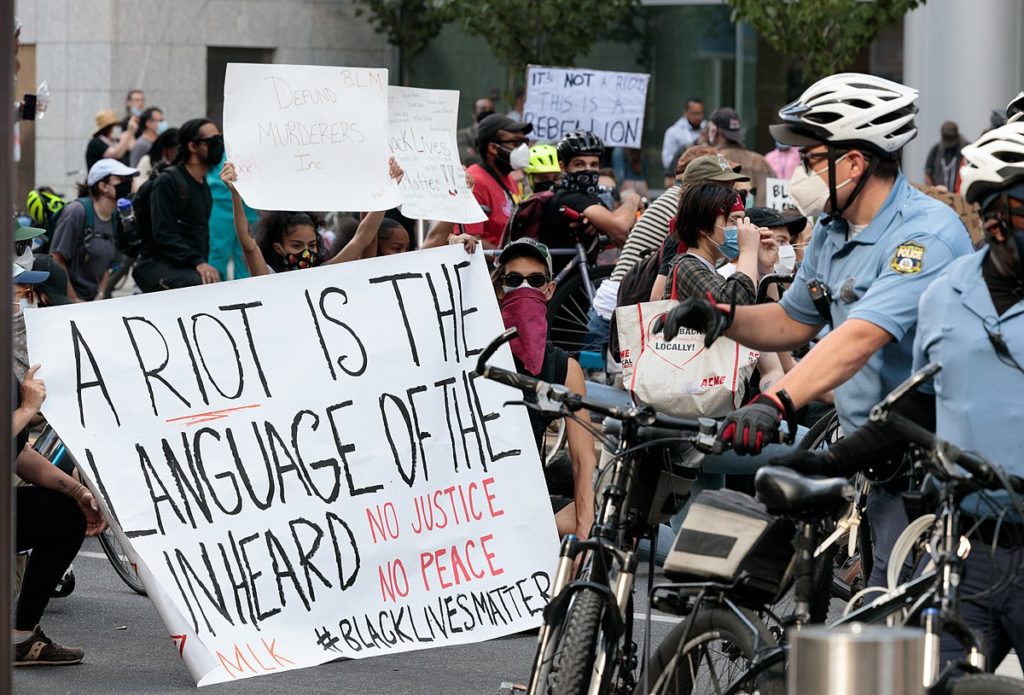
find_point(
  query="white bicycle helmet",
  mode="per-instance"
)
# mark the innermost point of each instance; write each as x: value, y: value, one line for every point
x: 993, y: 162
x: 1015, y: 109
x: 851, y: 109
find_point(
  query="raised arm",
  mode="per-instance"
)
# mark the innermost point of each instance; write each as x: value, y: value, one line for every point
x: 254, y: 260
x: 364, y: 239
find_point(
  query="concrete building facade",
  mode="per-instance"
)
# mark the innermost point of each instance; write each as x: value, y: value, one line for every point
x: 92, y: 52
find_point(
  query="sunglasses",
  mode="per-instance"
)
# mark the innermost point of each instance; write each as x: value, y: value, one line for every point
x: 212, y: 139
x: 810, y: 159
x: 535, y: 280
x: 514, y: 143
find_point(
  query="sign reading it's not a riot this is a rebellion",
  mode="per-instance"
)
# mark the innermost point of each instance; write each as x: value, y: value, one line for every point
x: 304, y: 466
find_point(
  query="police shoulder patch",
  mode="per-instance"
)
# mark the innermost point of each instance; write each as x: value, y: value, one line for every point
x: 908, y: 258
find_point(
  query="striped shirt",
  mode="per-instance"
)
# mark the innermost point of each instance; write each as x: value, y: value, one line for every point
x: 648, y: 232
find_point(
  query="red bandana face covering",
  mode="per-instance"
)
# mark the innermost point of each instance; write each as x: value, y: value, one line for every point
x: 526, y: 308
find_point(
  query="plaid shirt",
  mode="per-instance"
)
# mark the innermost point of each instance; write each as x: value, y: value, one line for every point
x: 693, y: 278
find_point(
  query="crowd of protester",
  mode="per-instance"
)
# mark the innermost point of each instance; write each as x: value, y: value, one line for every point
x: 879, y: 246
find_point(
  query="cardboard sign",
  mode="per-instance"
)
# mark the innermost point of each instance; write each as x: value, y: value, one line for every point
x: 777, y: 194
x: 309, y: 138
x: 423, y: 123
x: 303, y: 464
x: 609, y: 104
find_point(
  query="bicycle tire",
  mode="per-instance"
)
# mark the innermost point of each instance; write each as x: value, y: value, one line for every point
x: 569, y: 307
x: 713, y: 624
x: 579, y: 645
x: 984, y: 684
x: 119, y: 560
x: 820, y: 432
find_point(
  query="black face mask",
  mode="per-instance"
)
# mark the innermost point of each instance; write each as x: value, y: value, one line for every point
x: 214, y: 150
x: 542, y: 186
x: 123, y: 189
x: 502, y: 161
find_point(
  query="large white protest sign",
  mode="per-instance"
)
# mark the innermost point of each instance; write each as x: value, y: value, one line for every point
x: 609, y: 104
x: 777, y: 195
x: 306, y: 137
x: 423, y: 123
x: 304, y: 464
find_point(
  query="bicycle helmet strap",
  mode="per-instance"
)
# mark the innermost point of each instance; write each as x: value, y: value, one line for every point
x: 837, y: 212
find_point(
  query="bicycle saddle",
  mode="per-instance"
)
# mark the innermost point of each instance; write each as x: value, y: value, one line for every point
x: 785, y: 492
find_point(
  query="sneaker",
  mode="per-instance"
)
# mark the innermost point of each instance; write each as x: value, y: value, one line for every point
x: 40, y: 650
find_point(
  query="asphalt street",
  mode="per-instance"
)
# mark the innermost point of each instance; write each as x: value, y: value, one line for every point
x: 128, y: 651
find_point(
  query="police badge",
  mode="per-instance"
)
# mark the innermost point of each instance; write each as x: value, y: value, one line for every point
x: 908, y: 258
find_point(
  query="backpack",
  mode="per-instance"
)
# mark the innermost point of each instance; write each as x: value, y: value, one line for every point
x: 635, y: 288
x: 526, y: 217
x: 53, y: 219
x: 143, y: 232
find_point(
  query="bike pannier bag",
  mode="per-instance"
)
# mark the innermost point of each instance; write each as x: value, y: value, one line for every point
x: 729, y: 537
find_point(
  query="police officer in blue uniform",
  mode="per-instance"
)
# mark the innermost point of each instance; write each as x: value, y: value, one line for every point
x: 875, y: 250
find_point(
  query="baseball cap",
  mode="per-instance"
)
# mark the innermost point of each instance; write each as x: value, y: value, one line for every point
x: 488, y: 128
x: 28, y: 277
x: 109, y: 167
x: 23, y: 233
x: 712, y: 167
x: 56, y: 286
x: 528, y: 248
x: 105, y: 119
x: 766, y: 217
x: 728, y: 123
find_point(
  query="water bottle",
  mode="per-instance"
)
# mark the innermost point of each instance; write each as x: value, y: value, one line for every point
x: 129, y: 229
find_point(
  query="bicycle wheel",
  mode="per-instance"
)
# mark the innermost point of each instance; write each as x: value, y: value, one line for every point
x: 717, y: 655
x: 823, y: 433
x: 575, y: 663
x: 984, y: 684
x: 120, y: 561
x: 569, y: 307
x: 821, y: 596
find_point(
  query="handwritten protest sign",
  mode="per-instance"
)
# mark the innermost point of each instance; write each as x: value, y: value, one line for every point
x: 777, y: 194
x: 309, y: 138
x: 610, y: 104
x: 304, y: 465
x: 423, y: 123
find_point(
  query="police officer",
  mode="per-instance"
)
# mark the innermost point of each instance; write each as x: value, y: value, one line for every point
x: 879, y: 244
x: 972, y: 323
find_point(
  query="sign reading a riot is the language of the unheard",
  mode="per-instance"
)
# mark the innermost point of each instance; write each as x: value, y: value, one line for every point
x: 306, y: 137
x: 304, y: 466
x: 609, y: 104
x: 422, y: 139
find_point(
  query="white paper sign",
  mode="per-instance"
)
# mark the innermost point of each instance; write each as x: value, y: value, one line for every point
x: 777, y: 194
x: 423, y: 123
x: 609, y: 104
x: 303, y: 463
x: 309, y: 138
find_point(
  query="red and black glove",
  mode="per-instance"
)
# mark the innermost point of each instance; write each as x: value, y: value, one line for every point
x: 756, y: 424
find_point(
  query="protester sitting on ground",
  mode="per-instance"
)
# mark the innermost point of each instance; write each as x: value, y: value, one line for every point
x: 179, y: 207
x: 291, y: 241
x: 522, y: 281
x: 104, y: 143
x: 159, y: 157
x: 726, y: 135
x: 392, y: 238
x: 543, y: 173
x: 151, y: 125
x: 84, y: 238
x: 54, y: 513
x: 713, y: 169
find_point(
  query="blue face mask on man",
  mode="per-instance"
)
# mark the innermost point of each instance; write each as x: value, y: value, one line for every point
x: 730, y: 248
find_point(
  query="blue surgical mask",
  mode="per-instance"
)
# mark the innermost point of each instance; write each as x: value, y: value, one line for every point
x: 730, y: 248
x: 135, y: 111
x: 164, y: 125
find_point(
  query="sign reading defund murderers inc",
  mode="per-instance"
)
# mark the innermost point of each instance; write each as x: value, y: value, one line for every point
x: 304, y: 465
x: 609, y: 104
x: 306, y: 137
x: 423, y: 123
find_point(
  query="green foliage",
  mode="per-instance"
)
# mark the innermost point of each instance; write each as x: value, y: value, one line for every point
x: 540, y: 32
x: 409, y: 25
x: 827, y: 34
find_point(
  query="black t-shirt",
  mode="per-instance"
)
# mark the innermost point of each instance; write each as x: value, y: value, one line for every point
x: 554, y: 370
x: 554, y: 226
x: 181, y: 228
x: 94, y: 151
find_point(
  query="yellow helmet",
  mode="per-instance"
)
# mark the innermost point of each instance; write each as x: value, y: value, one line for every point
x: 543, y: 160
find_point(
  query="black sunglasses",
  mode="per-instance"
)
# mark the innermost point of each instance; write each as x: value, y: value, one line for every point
x: 517, y: 142
x: 210, y: 140
x: 535, y: 280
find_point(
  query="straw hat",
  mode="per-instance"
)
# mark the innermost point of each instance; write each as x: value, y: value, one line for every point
x: 105, y: 119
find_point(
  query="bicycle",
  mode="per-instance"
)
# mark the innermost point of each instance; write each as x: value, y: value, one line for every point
x: 747, y: 654
x: 586, y: 641
x: 50, y: 446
